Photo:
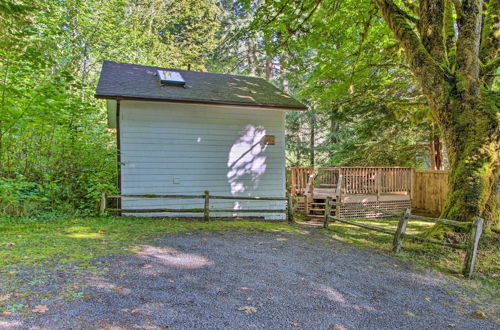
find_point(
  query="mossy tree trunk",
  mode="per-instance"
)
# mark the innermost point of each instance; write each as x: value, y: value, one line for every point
x: 455, y: 69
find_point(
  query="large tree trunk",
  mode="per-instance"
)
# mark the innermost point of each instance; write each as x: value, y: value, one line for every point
x: 472, y: 141
x: 456, y: 86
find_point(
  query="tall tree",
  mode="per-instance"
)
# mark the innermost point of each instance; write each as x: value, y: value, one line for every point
x: 55, y: 149
x: 452, y: 49
x: 337, y: 57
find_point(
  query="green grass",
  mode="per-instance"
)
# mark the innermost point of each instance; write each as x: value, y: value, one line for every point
x: 444, y: 259
x: 62, y: 240
x: 26, y: 241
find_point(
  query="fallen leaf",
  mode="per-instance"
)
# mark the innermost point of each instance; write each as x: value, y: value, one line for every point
x: 339, y: 327
x: 428, y: 299
x: 9, y: 243
x: 40, y: 309
x: 147, y: 266
x: 294, y: 324
x: 244, y: 288
x: 6, y: 313
x: 479, y: 314
x: 451, y: 325
x: 410, y: 314
x: 282, y: 239
x: 247, y: 309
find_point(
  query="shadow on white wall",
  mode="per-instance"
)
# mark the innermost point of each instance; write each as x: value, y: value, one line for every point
x: 246, y: 161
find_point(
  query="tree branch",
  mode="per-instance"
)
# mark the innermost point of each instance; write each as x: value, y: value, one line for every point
x: 469, y: 26
x: 431, y: 28
x: 428, y: 73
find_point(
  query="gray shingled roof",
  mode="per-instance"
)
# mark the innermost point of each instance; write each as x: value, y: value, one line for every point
x: 136, y: 82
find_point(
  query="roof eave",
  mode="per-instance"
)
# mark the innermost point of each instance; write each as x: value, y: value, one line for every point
x: 247, y: 105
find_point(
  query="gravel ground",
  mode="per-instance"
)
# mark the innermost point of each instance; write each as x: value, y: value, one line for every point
x: 254, y: 281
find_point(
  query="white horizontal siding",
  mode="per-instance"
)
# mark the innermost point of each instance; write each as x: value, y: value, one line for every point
x: 169, y: 148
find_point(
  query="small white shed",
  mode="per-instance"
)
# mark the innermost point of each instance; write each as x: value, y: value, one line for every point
x: 184, y: 132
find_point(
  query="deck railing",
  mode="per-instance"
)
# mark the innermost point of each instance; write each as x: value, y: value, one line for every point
x: 355, y: 180
x: 300, y: 180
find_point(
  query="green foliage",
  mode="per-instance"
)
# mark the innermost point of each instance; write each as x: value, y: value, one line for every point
x: 56, y: 152
x: 340, y: 59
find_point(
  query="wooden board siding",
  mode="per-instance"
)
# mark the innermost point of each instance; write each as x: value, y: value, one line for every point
x: 171, y: 148
x: 430, y: 191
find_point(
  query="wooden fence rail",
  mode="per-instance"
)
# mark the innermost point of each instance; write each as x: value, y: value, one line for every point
x: 206, y: 207
x: 475, y: 229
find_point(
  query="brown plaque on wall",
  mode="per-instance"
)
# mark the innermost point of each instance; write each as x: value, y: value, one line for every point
x: 269, y: 139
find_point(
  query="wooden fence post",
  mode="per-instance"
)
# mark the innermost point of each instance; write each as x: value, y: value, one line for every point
x: 102, y: 207
x: 206, y: 214
x: 328, y: 211
x: 289, y: 208
x: 397, y: 243
x: 472, y: 246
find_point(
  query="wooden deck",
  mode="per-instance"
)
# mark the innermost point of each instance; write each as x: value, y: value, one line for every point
x: 385, y: 188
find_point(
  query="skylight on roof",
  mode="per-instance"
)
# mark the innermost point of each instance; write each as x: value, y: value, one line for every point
x: 171, y: 78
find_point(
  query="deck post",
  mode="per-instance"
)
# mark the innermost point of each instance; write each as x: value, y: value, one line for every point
x: 328, y: 211
x: 102, y: 207
x: 379, y: 183
x: 338, y: 194
x: 289, y: 208
x: 206, y: 214
x: 472, y: 246
x: 397, y: 243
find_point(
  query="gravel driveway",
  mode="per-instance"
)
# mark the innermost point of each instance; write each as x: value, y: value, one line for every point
x: 257, y: 281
